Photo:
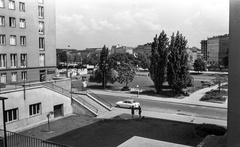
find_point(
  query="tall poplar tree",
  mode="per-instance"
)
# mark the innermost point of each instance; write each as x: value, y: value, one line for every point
x: 103, y: 65
x: 177, y: 70
x: 159, y: 59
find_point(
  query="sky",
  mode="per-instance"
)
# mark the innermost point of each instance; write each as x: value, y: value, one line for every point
x: 85, y: 24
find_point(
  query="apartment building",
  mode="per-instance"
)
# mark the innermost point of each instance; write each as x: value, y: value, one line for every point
x: 27, y: 40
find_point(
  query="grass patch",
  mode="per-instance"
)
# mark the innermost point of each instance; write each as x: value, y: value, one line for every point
x: 215, y: 96
x: 114, y: 132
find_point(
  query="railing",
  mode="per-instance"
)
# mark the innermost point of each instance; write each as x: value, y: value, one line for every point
x: 72, y: 95
x: 19, y: 140
x: 99, y: 98
x: 19, y: 85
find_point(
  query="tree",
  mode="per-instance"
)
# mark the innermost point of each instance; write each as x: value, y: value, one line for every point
x: 63, y: 56
x: 97, y: 76
x: 177, y: 69
x: 103, y: 65
x: 199, y: 65
x: 126, y: 73
x: 141, y: 60
x: 159, y: 60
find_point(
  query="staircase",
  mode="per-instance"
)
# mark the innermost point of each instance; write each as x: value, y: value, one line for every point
x: 88, y: 101
x: 101, y: 109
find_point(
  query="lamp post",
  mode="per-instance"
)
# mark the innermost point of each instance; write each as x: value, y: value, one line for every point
x: 137, y: 90
x: 4, y: 121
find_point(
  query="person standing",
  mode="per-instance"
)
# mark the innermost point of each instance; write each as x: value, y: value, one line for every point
x: 139, y: 111
x: 132, y: 110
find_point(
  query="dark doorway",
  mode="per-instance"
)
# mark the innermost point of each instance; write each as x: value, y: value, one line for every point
x: 42, y: 75
x: 58, y: 110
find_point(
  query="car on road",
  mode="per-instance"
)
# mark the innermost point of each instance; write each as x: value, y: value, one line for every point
x: 128, y: 103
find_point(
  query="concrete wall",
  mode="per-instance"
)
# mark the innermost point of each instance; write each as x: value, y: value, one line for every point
x: 46, y: 97
x: 233, y: 121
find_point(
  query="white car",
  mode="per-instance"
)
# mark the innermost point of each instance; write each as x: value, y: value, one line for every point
x: 128, y: 103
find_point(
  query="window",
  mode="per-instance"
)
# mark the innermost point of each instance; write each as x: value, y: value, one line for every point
x: 41, y: 43
x: 41, y: 27
x: 3, y: 77
x: 40, y: 11
x: 3, y: 60
x: 11, y: 4
x: 23, y: 40
x: 24, y: 75
x: 42, y: 60
x: 22, y: 23
x: 11, y: 115
x: 2, y: 39
x: 21, y: 6
x: 12, y: 22
x: 13, y: 58
x: 2, y: 21
x: 14, y: 76
x: 1, y: 3
x: 34, y: 109
x: 23, y: 60
x: 40, y: 1
x: 13, y: 40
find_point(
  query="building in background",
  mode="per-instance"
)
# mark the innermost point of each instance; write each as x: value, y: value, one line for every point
x: 204, y: 49
x: 143, y: 49
x: 121, y: 49
x: 214, y: 49
x: 27, y: 40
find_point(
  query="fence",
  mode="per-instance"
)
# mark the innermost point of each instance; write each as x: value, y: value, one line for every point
x: 99, y: 98
x: 18, y: 140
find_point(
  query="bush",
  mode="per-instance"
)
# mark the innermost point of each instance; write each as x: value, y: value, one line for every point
x: 203, y: 130
x: 125, y: 88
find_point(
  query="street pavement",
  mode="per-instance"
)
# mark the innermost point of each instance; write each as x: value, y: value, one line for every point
x: 193, y: 99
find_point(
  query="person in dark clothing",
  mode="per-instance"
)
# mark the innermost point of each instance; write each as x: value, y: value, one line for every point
x: 132, y: 110
x: 139, y: 111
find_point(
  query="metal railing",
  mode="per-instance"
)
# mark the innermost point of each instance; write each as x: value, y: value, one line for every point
x: 99, y: 98
x: 19, y: 140
x: 19, y: 85
x: 71, y: 95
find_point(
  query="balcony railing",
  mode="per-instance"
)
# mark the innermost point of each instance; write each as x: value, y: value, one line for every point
x: 19, y: 140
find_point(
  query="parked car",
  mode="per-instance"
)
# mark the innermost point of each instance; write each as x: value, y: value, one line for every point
x: 128, y: 103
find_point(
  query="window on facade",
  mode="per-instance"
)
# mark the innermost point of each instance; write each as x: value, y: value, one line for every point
x: 42, y: 60
x: 22, y: 23
x: 40, y: 1
x: 11, y: 4
x: 1, y: 3
x: 12, y: 22
x: 14, y: 77
x: 24, y: 75
x: 11, y: 115
x: 13, y: 40
x: 2, y: 39
x: 41, y: 43
x: 40, y: 11
x: 13, y: 58
x: 2, y: 21
x: 3, y: 60
x: 23, y: 40
x: 21, y: 6
x: 41, y: 27
x: 23, y: 60
x: 3, y: 78
x: 35, y: 109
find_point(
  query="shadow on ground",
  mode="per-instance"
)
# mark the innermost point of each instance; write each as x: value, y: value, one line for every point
x: 113, y: 132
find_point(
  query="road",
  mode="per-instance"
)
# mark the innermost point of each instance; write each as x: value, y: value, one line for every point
x: 173, y: 108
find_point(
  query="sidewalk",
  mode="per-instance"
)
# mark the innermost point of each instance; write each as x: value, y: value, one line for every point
x: 166, y: 116
x: 193, y: 99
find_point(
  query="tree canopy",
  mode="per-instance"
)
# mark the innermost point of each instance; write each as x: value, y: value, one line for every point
x: 199, y: 65
x: 177, y: 69
x: 159, y: 60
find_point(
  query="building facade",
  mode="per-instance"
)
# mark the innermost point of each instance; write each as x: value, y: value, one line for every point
x: 204, y: 49
x: 27, y: 40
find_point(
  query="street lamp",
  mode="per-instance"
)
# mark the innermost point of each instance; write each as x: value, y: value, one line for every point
x: 137, y: 90
x: 4, y: 121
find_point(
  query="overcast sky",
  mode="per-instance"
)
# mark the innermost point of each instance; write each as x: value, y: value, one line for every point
x: 93, y: 23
